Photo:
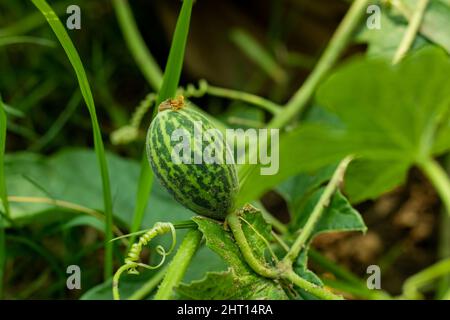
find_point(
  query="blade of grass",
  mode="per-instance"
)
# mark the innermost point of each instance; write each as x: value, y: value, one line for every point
x: 136, y: 44
x: 58, y: 124
x: 168, y: 89
x: 258, y: 54
x: 72, y: 54
x: 5, y: 41
x: 13, y: 111
x: 3, y: 195
x: 174, y: 64
x: 444, y: 241
x: 30, y: 22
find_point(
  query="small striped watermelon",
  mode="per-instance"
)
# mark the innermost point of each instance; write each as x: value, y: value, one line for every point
x: 197, y: 172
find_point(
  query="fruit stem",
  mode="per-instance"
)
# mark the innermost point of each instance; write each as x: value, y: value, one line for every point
x: 179, y: 264
x: 323, y: 202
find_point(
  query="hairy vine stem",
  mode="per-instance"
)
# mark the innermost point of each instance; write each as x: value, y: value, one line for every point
x: 281, y: 271
x: 234, y: 222
x: 284, y: 270
x: 310, y: 287
x: 205, y: 88
x: 332, y: 53
x: 439, y: 179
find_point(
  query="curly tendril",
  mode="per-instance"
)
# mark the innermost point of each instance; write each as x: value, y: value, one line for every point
x: 130, y: 132
x: 133, y: 257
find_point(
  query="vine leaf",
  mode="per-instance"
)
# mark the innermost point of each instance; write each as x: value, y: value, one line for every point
x: 240, y: 281
x: 436, y: 22
x: 368, y: 179
x: 301, y: 268
x: 230, y: 286
x: 339, y: 215
x: 297, y: 188
x: 401, y: 119
x: 302, y: 193
x: 258, y: 233
x: 384, y: 42
x: 434, y: 28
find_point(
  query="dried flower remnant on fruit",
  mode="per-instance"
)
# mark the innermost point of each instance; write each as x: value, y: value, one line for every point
x: 172, y: 104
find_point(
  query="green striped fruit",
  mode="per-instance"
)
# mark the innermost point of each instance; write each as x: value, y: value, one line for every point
x: 207, y: 184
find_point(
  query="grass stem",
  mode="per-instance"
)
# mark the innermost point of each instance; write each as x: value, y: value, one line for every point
x: 179, y: 264
x: 136, y: 44
x: 438, y: 177
x: 3, y: 197
x: 149, y: 286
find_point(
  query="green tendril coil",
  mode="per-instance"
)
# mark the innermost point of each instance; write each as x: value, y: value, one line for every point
x: 132, y: 261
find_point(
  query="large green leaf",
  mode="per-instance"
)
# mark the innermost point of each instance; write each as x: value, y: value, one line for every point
x: 368, y: 179
x: 401, y: 120
x: 72, y: 175
x: 239, y: 282
x: 387, y: 113
x: 292, y: 160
